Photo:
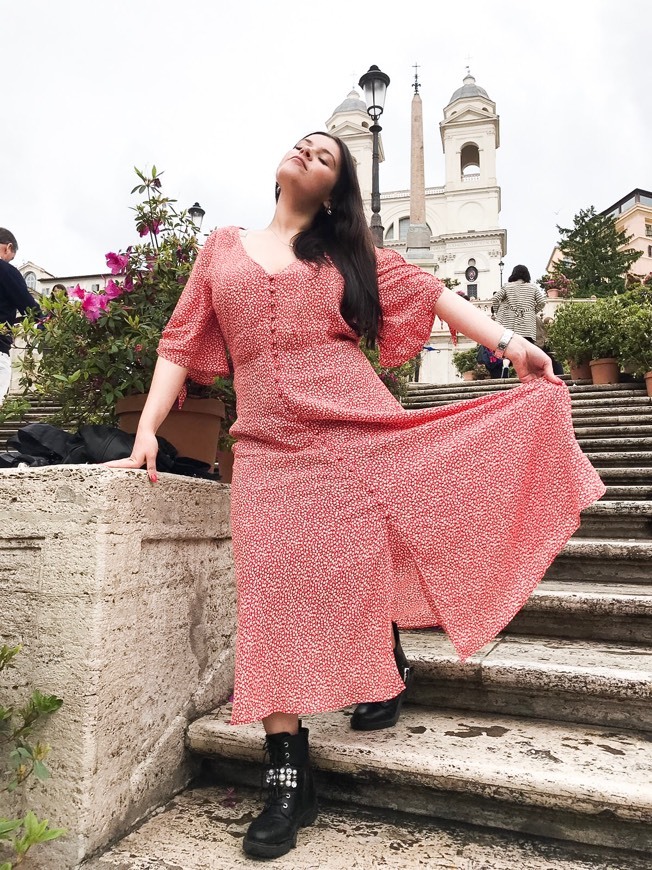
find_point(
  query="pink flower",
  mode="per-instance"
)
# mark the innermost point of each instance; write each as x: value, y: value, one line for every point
x: 117, y: 262
x: 128, y: 283
x: 76, y: 293
x: 152, y: 227
x: 93, y: 305
x: 113, y: 290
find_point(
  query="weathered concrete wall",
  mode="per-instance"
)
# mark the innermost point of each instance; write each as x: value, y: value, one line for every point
x: 122, y: 594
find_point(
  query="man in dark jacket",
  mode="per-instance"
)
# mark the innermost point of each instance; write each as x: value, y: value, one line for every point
x: 15, y: 298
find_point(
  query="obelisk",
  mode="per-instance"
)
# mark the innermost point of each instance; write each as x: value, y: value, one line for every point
x: 418, y: 236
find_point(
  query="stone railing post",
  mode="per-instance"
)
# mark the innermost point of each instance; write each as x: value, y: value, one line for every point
x: 122, y: 595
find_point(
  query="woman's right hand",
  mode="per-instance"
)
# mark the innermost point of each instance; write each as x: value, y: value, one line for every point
x: 144, y: 453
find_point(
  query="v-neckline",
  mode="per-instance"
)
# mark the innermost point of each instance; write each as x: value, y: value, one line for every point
x: 260, y: 265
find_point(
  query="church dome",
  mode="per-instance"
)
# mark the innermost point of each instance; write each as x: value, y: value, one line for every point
x: 469, y: 89
x: 352, y: 103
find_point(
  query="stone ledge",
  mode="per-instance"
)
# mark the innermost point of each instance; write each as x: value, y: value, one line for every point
x: 122, y: 594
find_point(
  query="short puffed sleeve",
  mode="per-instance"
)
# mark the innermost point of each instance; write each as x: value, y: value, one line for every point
x: 408, y: 296
x: 192, y: 337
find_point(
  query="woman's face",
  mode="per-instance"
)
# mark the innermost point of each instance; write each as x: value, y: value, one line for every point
x: 310, y: 169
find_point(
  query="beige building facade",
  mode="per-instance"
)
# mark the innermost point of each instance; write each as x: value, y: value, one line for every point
x: 633, y: 216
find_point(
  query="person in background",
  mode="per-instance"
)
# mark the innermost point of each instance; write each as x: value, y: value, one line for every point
x: 542, y: 341
x: 516, y: 304
x: 15, y: 298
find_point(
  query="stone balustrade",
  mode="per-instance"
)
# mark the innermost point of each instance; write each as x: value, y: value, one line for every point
x: 122, y: 595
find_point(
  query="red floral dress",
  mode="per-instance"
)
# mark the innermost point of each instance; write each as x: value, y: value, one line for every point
x: 348, y: 511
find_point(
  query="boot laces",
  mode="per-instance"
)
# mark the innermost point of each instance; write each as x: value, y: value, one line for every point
x: 278, y: 778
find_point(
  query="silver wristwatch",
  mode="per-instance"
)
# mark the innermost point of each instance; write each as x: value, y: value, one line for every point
x: 505, y: 339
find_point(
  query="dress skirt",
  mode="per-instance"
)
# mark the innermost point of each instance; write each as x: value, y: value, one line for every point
x: 349, y: 512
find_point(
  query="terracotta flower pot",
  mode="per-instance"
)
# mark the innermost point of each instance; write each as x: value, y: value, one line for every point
x: 468, y: 376
x: 604, y: 371
x: 580, y: 372
x: 648, y: 383
x: 553, y: 293
x: 194, y: 430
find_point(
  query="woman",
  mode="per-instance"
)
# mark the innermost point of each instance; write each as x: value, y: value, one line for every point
x: 517, y: 303
x: 342, y: 501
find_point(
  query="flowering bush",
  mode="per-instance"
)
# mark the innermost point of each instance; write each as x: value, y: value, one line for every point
x: 94, y: 348
x: 395, y: 379
x: 556, y: 281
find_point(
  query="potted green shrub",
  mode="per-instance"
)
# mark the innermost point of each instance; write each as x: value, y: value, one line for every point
x: 606, y: 337
x: 465, y: 361
x: 636, y: 341
x: 94, y: 353
x: 570, y: 337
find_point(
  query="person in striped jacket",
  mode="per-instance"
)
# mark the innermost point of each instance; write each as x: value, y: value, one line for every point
x: 517, y: 303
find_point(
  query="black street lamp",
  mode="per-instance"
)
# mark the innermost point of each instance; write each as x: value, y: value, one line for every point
x: 374, y: 84
x: 501, y: 266
x: 196, y: 213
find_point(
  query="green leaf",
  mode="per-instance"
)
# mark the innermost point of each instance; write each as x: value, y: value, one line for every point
x: 7, y: 826
x: 40, y: 771
x: 6, y: 866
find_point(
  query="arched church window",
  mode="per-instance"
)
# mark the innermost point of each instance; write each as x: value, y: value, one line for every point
x: 471, y: 261
x: 470, y: 159
x: 30, y: 280
x: 403, y: 227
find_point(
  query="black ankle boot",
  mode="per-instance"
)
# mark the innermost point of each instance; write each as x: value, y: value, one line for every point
x: 383, y: 714
x: 291, y: 798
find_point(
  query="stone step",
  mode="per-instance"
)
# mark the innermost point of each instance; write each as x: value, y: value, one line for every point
x: 603, y: 560
x: 626, y: 476
x: 587, y: 611
x: 575, y: 782
x: 497, y: 384
x: 617, y: 519
x: 579, y: 405
x: 621, y: 458
x: 612, y: 445
x: 565, y: 679
x: 635, y: 418
x: 628, y: 493
x: 203, y: 828
x: 615, y: 431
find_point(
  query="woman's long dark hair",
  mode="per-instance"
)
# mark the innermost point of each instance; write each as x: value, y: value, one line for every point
x: 520, y: 273
x: 346, y: 240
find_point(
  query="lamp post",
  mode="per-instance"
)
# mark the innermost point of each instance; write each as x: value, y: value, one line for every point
x: 501, y: 266
x: 374, y: 85
x: 196, y: 213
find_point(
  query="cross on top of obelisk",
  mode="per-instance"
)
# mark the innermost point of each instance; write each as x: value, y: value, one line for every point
x: 416, y: 84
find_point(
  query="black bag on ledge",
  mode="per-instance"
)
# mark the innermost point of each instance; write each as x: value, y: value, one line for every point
x: 39, y: 444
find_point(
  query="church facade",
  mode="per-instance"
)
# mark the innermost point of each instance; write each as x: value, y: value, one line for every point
x: 464, y: 241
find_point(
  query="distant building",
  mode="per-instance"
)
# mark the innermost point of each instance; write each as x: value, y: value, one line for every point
x: 41, y: 283
x: 462, y: 215
x: 633, y: 215
x: 452, y: 231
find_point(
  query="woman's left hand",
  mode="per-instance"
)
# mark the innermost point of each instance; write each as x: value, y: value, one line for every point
x: 529, y: 361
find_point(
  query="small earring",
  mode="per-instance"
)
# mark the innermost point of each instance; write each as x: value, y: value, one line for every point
x: 329, y: 210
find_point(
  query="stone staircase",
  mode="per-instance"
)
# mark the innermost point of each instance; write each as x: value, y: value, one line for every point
x: 545, y: 733
x: 40, y: 411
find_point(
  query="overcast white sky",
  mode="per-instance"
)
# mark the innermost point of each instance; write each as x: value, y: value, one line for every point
x: 214, y: 93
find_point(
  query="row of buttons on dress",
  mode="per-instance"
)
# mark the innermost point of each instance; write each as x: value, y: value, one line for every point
x: 272, y: 321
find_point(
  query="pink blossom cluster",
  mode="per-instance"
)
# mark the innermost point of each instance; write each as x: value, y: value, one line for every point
x: 152, y: 227
x: 559, y: 282
x: 94, y: 304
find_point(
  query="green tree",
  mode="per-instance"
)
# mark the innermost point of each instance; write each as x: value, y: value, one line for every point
x: 596, y: 256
